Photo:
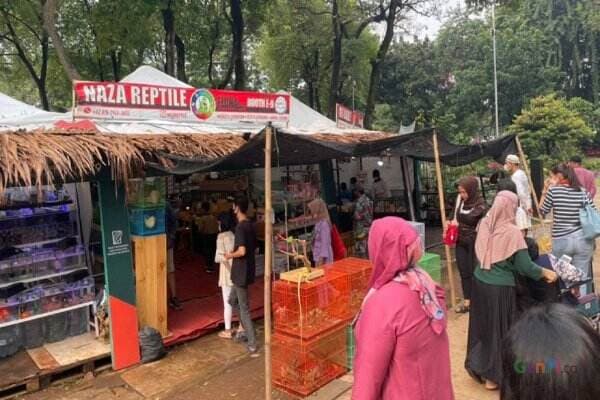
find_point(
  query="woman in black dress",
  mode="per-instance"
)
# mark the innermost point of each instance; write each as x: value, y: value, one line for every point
x: 469, y: 211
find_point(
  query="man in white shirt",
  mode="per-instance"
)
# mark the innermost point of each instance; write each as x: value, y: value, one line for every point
x: 518, y: 176
x: 380, y: 189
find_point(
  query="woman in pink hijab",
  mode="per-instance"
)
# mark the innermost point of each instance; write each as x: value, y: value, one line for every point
x: 402, y: 350
x: 502, y: 252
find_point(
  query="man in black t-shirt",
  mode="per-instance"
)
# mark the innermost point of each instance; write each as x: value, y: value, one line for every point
x: 243, y: 269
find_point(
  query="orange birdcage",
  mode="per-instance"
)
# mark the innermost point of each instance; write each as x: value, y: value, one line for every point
x: 301, y: 367
x: 307, y: 309
x: 357, y: 272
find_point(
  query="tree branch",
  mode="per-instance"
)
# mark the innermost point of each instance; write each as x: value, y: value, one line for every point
x: 379, y: 17
x: 26, y: 61
x: 24, y: 23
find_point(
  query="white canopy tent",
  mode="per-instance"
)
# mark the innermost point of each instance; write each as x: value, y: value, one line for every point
x: 302, y: 119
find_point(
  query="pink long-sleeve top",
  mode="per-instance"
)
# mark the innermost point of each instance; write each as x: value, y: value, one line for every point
x: 399, y: 356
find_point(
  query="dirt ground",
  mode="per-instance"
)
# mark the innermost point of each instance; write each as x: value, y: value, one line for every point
x: 211, y: 368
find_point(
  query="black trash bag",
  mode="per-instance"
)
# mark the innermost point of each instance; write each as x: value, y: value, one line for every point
x: 34, y: 333
x: 56, y: 328
x: 78, y: 321
x: 151, y: 344
x: 10, y: 340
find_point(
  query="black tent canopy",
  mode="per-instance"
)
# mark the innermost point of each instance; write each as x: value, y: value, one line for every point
x: 300, y: 149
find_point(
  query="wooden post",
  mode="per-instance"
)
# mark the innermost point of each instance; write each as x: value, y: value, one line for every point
x: 268, y: 259
x: 151, y: 281
x: 407, y: 191
x: 440, y: 187
x: 526, y: 167
x: 73, y: 101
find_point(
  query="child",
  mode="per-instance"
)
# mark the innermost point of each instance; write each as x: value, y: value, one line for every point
x: 225, y: 244
x: 321, y: 245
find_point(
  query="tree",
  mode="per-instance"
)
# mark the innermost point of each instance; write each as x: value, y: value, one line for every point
x: 549, y: 129
x: 22, y: 36
x: 50, y: 11
x: 297, y: 52
x: 411, y: 81
x: 464, y: 58
x: 572, y: 33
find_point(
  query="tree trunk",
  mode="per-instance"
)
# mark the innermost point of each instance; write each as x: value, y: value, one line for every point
x: 311, y: 94
x: 237, y: 50
x: 336, y: 60
x: 49, y: 18
x: 594, y: 56
x: 377, y: 63
x: 115, y: 59
x: 169, y: 26
x: 181, y: 75
x: 41, y: 83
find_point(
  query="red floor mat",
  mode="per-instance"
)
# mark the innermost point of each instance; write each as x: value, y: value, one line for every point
x: 202, y: 301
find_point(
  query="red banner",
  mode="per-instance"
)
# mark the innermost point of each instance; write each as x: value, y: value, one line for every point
x: 346, y: 118
x: 133, y: 101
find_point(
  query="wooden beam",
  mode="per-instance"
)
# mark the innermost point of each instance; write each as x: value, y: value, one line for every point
x: 440, y: 187
x: 526, y: 168
x: 268, y: 258
x: 151, y: 281
x: 407, y: 189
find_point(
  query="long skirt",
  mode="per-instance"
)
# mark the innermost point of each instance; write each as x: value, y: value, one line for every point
x: 493, y: 311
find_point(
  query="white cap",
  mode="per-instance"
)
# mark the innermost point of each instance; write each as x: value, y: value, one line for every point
x: 513, y: 159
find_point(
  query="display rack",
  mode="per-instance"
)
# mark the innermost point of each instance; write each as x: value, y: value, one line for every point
x: 41, y: 246
x: 91, y: 304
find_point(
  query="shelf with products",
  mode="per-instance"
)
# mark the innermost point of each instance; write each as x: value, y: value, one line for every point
x: 91, y: 304
x: 44, y: 267
x: 44, y: 204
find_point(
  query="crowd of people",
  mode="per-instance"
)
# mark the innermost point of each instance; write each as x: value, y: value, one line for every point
x: 526, y: 349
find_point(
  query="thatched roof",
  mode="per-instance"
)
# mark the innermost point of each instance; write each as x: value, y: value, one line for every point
x: 43, y: 157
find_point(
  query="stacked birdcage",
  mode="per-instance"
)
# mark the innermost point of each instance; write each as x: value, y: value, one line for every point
x: 311, y: 320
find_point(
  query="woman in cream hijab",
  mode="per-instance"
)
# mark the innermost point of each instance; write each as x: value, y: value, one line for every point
x: 502, y: 252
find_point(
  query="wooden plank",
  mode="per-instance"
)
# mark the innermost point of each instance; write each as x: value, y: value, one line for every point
x: 43, y: 359
x: 151, y: 281
x: 77, y: 349
x: 16, y: 370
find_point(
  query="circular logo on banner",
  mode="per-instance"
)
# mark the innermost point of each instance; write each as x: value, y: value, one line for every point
x: 203, y: 104
x: 280, y: 105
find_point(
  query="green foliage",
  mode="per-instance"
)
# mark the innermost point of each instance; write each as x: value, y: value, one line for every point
x: 296, y: 47
x: 384, y: 119
x: 550, y: 130
x: 543, y: 46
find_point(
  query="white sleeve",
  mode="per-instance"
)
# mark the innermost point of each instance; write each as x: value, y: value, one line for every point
x: 220, y: 253
x: 523, y: 191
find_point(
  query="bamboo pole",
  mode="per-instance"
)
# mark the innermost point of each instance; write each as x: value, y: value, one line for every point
x: 440, y: 187
x: 526, y: 167
x: 73, y: 101
x: 407, y: 189
x: 268, y: 259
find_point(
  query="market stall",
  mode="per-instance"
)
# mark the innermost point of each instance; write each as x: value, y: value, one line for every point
x: 90, y: 150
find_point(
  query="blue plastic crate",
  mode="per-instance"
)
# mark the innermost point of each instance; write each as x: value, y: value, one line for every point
x: 147, y: 222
